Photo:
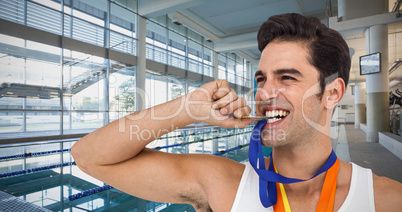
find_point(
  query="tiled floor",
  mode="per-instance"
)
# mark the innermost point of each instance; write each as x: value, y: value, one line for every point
x: 372, y: 155
x: 10, y: 203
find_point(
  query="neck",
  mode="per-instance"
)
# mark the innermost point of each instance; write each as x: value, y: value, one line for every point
x: 301, y: 161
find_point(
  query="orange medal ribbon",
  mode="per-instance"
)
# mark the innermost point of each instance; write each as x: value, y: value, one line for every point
x: 327, y: 197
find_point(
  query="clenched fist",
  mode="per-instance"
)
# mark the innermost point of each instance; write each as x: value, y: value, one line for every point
x: 215, y: 103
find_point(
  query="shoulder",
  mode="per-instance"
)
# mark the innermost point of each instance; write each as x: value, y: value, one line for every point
x: 219, y: 177
x: 387, y: 194
x: 218, y: 172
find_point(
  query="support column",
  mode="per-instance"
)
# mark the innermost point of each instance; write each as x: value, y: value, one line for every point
x: 352, y: 9
x: 377, y: 84
x: 360, y: 104
x: 216, y: 66
x: 215, y: 142
x: 141, y: 64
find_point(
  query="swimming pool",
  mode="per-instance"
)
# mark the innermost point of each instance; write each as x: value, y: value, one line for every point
x: 52, y: 180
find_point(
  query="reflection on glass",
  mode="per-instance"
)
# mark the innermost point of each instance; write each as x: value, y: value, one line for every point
x: 44, y: 123
x: 122, y: 87
x: 122, y: 33
x: 84, y: 21
x: 31, y: 80
x: 177, y: 50
x: 83, y: 81
x: 82, y: 122
x: 155, y: 89
x: 195, y: 57
x: 156, y: 42
x: 12, y: 11
x: 222, y: 66
x: 116, y: 115
x: 193, y: 84
x: 231, y: 70
x: 176, y: 87
x: 43, y: 18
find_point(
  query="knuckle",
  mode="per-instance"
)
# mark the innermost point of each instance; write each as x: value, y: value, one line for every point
x: 242, y: 101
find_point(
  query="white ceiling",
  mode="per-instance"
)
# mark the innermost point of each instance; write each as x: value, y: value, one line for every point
x: 233, y: 24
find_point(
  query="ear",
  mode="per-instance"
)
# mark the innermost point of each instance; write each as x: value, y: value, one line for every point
x: 334, y: 93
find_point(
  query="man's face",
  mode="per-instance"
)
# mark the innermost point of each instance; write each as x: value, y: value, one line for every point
x: 284, y: 78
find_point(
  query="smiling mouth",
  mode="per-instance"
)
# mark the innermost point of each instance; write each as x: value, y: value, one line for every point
x: 275, y: 115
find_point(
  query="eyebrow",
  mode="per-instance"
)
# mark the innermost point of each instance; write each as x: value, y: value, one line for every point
x: 288, y: 71
x: 258, y: 73
x: 281, y: 72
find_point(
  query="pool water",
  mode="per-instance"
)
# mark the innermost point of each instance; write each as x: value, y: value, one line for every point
x: 53, y: 187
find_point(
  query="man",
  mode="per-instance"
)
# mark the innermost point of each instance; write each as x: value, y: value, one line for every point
x: 301, y: 77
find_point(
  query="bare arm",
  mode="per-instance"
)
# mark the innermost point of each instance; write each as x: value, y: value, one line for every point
x: 115, y: 153
x: 387, y: 194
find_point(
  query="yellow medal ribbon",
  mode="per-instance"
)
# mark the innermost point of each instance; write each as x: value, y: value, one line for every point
x: 327, y: 197
x: 282, y: 203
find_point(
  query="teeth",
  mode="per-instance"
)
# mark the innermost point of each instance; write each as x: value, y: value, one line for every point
x: 275, y: 115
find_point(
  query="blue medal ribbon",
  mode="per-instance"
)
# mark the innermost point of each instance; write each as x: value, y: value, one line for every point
x: 269, y: 178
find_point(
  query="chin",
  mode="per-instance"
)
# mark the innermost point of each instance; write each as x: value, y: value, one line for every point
x: 273, y: 135
x: 272, y: 142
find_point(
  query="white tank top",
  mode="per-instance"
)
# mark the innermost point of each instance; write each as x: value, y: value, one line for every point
x: 360, y: 196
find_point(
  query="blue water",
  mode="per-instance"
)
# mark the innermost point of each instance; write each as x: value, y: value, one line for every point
x: 52, y: 187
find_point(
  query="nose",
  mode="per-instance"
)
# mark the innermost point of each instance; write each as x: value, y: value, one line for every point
x: 269, y: 90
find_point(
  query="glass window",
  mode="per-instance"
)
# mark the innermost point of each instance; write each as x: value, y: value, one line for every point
x: 85, y: 22
x: 122, y: 33
x: 49, y: 3
x: 84, y: 31
x: 231, y: 70
x: 193, y: 84
x: 12, y: 71
x: 131, y: 4
x: 12, y: 10
x: 209, y: 44
x: 32, y: 74
x: 123, y: 19
x: 194, y: 36
x: 239, y: 73
x: 208, y: 56
x: 208, y: 135
x: 222, y: 66
x: 121, y: 87
x: 82, y: 122
x: 43, y: 123
x: 83, y: 81
x: 156, y: 42
x: 207, y: 60
x: 177, y: 50
x: 32, y: 81
x: 91, y: 11
x: 11, y: 122
x: 116, y: 115
x: 178, y: 28
x: 155, y: 89
x: 43, y: 18
x: 157, y: 35
x: 161, y: 20
x: 176, y: 87
x: 195, y: 57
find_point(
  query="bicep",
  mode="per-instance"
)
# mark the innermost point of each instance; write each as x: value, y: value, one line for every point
x: 161, y: 177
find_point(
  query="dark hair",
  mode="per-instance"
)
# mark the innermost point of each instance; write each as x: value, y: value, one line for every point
x: 329, y: 52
